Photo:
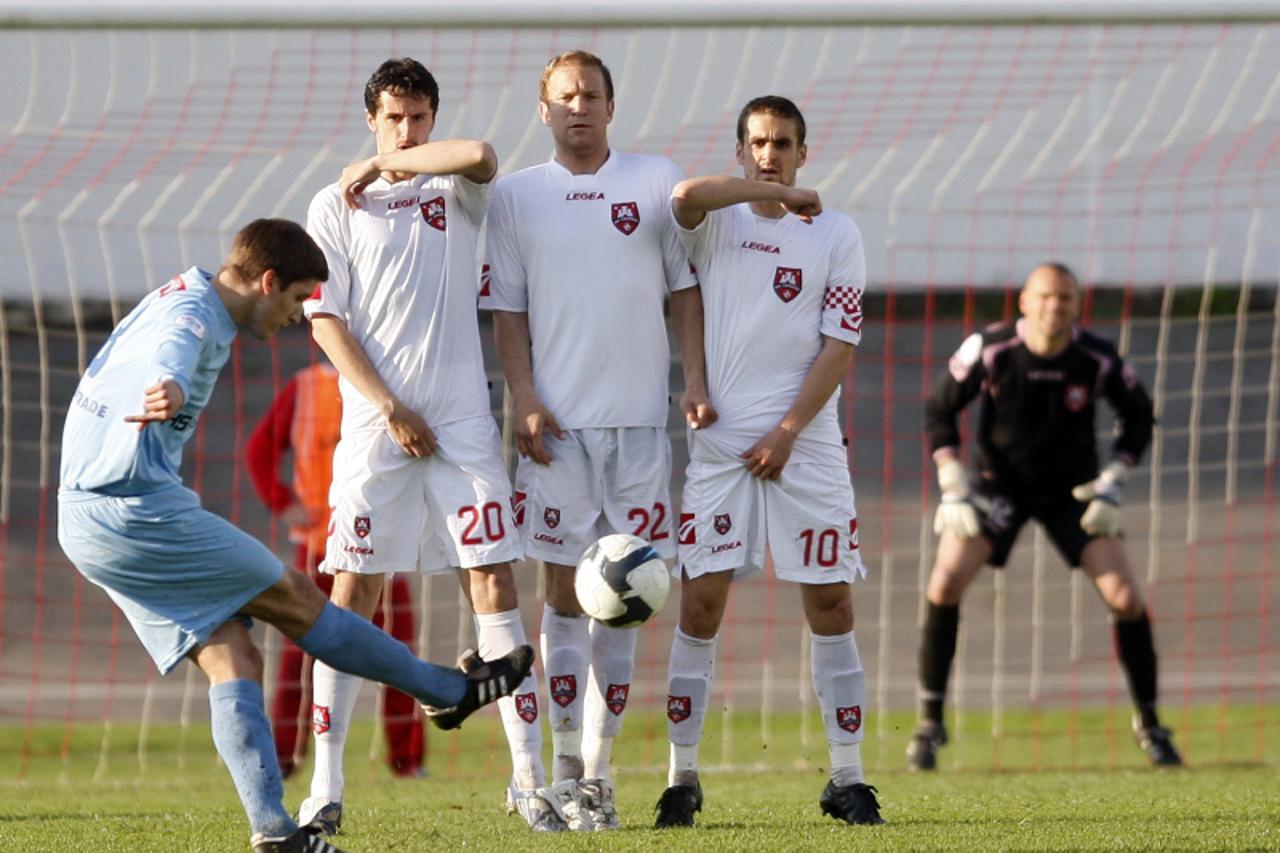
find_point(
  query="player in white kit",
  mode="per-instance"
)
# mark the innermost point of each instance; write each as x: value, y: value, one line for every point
x: 782, y: 285
x: 418, y: 477
x: 582, y: 254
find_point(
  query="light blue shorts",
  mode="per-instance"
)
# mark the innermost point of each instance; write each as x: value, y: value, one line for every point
x: 176, y: 570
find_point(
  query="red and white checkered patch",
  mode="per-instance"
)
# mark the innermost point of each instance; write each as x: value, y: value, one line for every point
x: 849, y: 301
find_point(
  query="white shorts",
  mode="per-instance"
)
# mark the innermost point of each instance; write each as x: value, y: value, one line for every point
x: 600, y: 481
x: 805, y: 519
x: 395, y: 513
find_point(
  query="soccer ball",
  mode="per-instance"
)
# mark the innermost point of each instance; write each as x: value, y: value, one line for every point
x: 621, y: 581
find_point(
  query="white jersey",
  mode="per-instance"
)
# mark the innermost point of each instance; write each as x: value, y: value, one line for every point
x: 403, y: 276
x: 772, y: 289
x: 590, y: 259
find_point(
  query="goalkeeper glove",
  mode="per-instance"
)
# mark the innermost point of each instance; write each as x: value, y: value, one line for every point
x: 956, y: 512
x: 1102, y: 516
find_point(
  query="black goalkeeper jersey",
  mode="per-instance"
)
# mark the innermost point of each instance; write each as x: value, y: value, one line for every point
x: 1036, y: 430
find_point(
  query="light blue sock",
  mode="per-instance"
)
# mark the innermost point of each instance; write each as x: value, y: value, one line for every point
x: 346, y: 642
x: 242, y: 737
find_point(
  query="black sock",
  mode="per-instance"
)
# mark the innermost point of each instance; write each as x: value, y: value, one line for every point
x: 937, y: 650
x: 1137, y: 650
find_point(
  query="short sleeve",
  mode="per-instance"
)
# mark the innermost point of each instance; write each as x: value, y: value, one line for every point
x: 675, y: 256
x: 846, y: 280
x: 698, y: 242
x: 183, y: 329
x: 505, y: 286
x: 472, y: 198
x: 326, y: 225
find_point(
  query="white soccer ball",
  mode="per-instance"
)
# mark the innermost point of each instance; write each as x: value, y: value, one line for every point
x: 621, y: 581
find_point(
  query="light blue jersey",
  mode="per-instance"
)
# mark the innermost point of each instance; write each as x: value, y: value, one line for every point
x: 182, y: 332
x: 124, y: 518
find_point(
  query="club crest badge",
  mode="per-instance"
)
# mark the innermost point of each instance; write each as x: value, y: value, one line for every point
x: 527, y: 706
x: 551, y: 516
x: 626, y: 216
x: 433, y: 212
x: 362, y: 526
x: 175, y: 284
x: 518, y: 499
x: 1077, y: 397
x: 193, y: 325
x: 615, y: 698
x: 723, y: 523
x: 679, y: 708
x: 850, y: 718
x: 564, y: 689
x: 319, y: 718
x: 688, y: 530
x: 787, y: 282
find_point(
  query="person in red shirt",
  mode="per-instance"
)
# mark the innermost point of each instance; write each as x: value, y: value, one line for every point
x: 304, y: 418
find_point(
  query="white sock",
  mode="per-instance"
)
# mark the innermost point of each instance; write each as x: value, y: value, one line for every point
x: 684, y: 765
x: 333, y: 702
x: 841, y: 685
x: 497, y: 634
x: 597, y: 754
x: 613, y: 653
x: 689, y: 677
x: 566, y: 650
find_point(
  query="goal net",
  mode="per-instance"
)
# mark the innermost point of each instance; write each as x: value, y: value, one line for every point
x: 1136, y: 145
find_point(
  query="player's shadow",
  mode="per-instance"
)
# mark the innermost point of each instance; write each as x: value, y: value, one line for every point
x: 680, y: 832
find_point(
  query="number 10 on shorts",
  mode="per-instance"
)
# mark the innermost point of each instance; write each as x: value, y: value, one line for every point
x: 822, y: 547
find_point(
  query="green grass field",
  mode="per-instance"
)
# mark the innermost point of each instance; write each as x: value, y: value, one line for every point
x: 59, y: 793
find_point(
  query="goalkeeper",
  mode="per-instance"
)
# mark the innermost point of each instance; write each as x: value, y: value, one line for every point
x: 1039, y: 379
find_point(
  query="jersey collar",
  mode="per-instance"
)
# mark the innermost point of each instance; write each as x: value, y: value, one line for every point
x: 605, y: 168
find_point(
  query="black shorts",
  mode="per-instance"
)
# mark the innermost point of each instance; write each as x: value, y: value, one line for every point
x: 1058, y: 512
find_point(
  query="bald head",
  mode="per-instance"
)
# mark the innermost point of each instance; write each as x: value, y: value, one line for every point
x: 1050, y: 304
x: 1054, y: 268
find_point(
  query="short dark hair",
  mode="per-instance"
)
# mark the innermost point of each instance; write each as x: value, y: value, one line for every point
x: 773, y: 105
x: 403, y: 76
x: 581, y: 58
x: 280, y: 245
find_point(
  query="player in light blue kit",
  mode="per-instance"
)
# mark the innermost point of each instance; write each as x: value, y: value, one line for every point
x: 189, y: 581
